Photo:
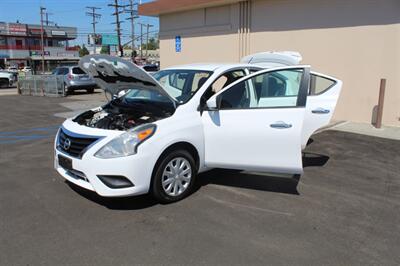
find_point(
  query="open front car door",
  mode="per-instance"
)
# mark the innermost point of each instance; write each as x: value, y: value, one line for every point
x: 256, y: 122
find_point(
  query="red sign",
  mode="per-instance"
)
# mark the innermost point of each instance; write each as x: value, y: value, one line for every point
x: 17, y: 29
x: 36, y: 31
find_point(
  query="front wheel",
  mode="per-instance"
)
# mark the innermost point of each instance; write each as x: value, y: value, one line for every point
x: 174, y: 177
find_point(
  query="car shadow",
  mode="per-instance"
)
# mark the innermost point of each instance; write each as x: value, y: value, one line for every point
x: 250, y: 180
x: 261, y: 181
x: 119, y: 203
x: 286, y: 184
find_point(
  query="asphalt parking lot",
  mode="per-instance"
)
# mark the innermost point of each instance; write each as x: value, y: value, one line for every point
x: 344, y: 210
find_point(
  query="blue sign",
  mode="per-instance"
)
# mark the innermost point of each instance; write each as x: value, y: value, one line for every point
x: 109, y: 39
x: 178, y: 44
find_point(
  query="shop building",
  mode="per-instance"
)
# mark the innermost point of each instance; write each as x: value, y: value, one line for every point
x: 20, y: 45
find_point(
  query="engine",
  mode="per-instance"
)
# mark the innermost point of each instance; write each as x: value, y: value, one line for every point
x: 115, y: 118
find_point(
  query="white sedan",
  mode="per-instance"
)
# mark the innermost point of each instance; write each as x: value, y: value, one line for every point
x: 167, y: 128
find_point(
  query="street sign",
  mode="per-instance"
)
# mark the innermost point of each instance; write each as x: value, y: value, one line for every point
x: 178, y: 44
x: 109, y: 39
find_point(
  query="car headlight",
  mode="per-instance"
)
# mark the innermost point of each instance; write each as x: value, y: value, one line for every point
x: 126, y: 144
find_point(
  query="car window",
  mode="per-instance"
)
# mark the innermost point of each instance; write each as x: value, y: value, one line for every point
x: 62, y: 71
x: 237, y: 97
x: 182, y: 84
x: 319, y: 84
x: 272, y: 89
x: 78, y: 71
x: 221, y: 82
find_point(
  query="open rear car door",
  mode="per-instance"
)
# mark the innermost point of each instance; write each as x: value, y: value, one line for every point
x: 322, y: 97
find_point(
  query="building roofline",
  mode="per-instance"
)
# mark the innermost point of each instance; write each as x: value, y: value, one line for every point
x: 160, y: 7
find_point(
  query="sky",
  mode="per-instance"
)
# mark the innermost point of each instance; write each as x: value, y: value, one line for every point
x: 72, y: 13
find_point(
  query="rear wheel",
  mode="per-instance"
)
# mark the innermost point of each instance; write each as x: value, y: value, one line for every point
x: 174, y: 177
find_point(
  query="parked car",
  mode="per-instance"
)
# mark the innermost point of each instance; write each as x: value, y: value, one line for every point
x: 75, y: 79
x: 27, y: 69
x: 188, y: 119
x: 151, y: 68
x: 7, y: 79
x: 12, y: 69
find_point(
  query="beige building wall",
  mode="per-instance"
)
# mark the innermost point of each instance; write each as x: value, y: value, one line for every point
x: 356, y: 41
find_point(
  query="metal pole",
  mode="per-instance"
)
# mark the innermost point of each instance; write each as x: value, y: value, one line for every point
x: 42, y: 35
x: 94, y: 16
x: 379, y: 114
x: 141, y: 41
x: 121, y: 52
x: 147, y: 41
x: 132, y: 19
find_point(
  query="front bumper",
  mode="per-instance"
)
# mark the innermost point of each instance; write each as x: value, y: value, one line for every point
x: 87, y: 169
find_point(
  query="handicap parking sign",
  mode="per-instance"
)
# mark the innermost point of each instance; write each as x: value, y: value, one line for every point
x: 178, y: 44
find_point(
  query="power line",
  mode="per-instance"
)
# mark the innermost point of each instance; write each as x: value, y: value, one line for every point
x: 118, y: 24
x: 94, y: 16
x: 147, y: 38
x: 133, y: 14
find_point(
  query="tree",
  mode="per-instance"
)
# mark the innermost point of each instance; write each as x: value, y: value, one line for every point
x: 153, y: 44
x: 105, y: 49
x: 83, y: 51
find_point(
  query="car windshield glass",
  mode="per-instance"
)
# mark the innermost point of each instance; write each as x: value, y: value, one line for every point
x: 142, y: 96
x: 182, y: 84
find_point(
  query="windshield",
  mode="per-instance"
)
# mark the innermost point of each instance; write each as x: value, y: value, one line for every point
x: 142, y: 96
x: 182, y: 84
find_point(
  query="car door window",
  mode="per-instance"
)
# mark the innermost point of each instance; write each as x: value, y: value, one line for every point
x: 319, y: 85
x: 221, y: 82
x: 271, y: 89
x: 63, y: 71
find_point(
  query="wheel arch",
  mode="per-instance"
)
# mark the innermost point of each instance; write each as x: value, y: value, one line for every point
x: 184, y: 145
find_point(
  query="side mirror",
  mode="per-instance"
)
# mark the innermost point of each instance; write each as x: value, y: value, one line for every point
x: 212, y: 104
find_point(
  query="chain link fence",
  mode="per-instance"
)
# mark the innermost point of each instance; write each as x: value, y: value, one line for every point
x: 41, y: 85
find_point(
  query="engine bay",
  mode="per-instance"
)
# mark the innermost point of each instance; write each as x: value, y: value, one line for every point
x: 115, y: 116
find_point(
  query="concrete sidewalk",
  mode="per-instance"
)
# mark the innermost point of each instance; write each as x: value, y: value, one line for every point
x: 8, y: 91
x: 386, y: 132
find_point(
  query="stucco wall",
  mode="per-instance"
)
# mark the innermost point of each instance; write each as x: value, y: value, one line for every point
x: 357, y: 41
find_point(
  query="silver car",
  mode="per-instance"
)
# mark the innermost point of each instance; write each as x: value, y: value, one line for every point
x: 75, y: 79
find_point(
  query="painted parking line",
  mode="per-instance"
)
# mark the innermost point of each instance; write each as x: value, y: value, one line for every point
x: 51, y: 128
x: 30, y: 134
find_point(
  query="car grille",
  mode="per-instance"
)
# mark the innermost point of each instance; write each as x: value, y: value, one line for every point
x: 77, y: 146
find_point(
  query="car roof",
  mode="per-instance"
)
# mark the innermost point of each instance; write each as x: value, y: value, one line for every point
x: 210, y: 66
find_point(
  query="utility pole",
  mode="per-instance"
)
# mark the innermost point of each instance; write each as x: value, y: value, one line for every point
x: 42, y: 9
x: 92, y: 13
x: 118, y: 24
x: 48, y: 22
x: 133, y: 14
x: 141, y: 41
x: 147, y: 38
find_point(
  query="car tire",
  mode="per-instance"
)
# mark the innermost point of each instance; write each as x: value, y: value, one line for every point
x: 185, y: 182
x: 91, y: 90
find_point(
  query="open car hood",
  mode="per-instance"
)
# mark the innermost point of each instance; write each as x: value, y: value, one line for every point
x: 114, y: 74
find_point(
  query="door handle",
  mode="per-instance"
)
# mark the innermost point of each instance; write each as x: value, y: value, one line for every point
x: 320, y: 111
x: 280, y: 125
